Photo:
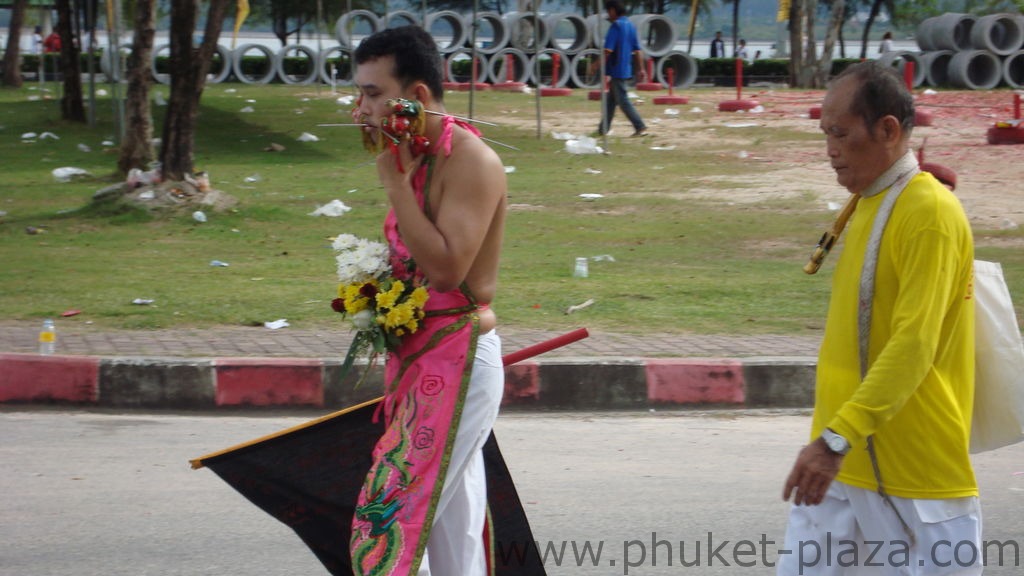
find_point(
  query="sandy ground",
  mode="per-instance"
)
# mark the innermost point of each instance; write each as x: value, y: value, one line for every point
x: 989, y: 177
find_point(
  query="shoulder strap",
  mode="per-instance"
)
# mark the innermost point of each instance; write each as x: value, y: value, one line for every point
x: 866, y: 299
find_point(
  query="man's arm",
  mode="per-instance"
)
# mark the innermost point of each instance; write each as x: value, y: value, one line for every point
x: 472, y: 186
x: 638, y: 62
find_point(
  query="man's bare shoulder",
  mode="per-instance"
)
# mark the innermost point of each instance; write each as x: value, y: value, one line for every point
x: 472, y: 154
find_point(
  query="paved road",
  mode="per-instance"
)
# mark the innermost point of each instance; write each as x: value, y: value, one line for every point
x: 111, y: 494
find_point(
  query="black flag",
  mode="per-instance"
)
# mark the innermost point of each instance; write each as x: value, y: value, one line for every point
x: 309, y: 477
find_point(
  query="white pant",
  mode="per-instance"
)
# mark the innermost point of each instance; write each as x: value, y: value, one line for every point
x: 456, y: 545
x: 853, y: 531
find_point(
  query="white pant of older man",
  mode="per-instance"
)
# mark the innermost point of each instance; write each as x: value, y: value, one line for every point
x: 456, y: 545
x: 855, y: 532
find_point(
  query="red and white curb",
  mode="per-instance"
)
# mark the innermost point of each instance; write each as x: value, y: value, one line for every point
x: 561, y: 384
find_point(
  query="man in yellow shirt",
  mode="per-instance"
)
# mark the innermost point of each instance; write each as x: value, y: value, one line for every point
x: 886, y: 484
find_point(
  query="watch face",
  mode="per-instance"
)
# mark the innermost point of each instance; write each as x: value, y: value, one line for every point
x: 836, y: 444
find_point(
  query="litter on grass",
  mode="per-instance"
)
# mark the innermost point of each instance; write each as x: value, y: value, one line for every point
x: 333, y: 208
x: 585, y: 145
x: 67, y: 173
x: 307, y: 137
x: 276, y: 324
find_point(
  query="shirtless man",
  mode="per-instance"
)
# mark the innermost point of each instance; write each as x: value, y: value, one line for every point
x: 447, y: 216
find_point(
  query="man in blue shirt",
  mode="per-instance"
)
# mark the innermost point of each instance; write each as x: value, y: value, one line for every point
x: 620, y: 43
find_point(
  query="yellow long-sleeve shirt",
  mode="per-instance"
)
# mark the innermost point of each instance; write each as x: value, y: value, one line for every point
x: 918, y: 393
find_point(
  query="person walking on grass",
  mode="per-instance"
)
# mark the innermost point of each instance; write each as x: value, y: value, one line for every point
x: 621, y: 52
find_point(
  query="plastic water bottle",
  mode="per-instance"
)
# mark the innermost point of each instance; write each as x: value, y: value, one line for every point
x: 48, y: 338
x: 580, y: 270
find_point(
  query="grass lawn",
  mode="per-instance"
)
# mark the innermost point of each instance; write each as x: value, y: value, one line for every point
x: 679, y: 264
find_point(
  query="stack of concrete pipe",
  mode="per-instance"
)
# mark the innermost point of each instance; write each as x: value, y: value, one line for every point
x: 965, y: 51
x: 507, y: 48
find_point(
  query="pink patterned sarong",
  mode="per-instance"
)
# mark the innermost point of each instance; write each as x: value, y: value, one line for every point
x: 426, y: 383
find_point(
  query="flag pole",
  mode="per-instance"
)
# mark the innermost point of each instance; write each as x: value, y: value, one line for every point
x: 507, y: 360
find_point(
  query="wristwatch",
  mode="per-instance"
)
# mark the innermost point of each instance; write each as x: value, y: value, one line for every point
x: 835, y: 442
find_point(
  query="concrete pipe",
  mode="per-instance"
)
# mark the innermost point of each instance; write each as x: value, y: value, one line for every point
x: 463, y: 55
x: 684, y: 69
x: 564, y: 68
x: 1013, y: 70
x: 225, y: 56
x: 580, y: 69
x: 658, y: 33
x: 898, y: 59
x: 568, y: 32
x: 491, y: 33
x: 975, y: 69
x: 154, y: 57
x: 311, y: 64
x: 522, y: 34
x: 448, y: 29
x: 923, y: 35
x: 951, y: 32
x: 335, y: 65
x: 499, y: 72
x: 936, y: 67
x: 239, y: 57
x: 106, y: 66
x: 399, y: 18
x: 357, y: 22
x: 597, y: 25
x: 1000, y: 34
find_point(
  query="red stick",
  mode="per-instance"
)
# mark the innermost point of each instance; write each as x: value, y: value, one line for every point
x: 671, y: 79
x: 508, y: 68
x: 555, y: 59
x: 1016, y: 106
x: 908, y: 74
x: 546, y: 346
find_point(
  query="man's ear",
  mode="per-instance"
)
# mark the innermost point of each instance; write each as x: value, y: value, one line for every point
x: 890, y: 129
x: 422, y: 92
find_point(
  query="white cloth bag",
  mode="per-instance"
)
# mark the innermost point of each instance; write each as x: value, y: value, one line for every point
x: 998, y: 418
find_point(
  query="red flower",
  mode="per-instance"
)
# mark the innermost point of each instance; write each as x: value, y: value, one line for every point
x: 369, y: 291
x: 338, y: 305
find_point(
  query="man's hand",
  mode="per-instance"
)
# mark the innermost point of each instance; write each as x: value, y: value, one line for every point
x: 813, y: 472
x: 641, y: 75
x: 396, y: 167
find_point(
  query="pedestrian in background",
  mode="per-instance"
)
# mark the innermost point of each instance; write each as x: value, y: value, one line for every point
x: 621, y: 51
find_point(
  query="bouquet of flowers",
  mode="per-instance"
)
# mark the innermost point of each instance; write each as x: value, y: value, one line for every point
x: 382, y: 308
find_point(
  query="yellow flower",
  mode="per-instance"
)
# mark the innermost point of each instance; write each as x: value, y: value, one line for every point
x: 354, y: 301
x: 419, y: 297
x: 398, y: 316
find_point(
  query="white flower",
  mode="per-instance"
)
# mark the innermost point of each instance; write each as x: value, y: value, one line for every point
x: 345, y: 242
x: 363, y: 320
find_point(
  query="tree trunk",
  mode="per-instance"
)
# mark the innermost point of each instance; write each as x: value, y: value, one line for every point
x: 71, y: 104
x: 136, y: 148
x: 188, y: 77
x: 824, y: 64
x: 12, y: 56
x: 876, y: 6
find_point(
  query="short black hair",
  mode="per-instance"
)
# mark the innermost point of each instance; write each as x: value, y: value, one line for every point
x: 881, y: 92
x: 415, y: 52
x: 616, y: 5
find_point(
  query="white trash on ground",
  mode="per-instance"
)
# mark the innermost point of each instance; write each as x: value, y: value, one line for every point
x: 584, y: 145
x: 307, y: 137
x: 142, y: 301
x: 276, y: 324
x: 333, y: 208
x: 247, y: 110
x: 48, y: 136
x: 563, y: 135
x: 346, y: 100
x: 589, y: 196
x: 199, y: 216
x: 84, y: 148
x: 219, y: 264
x: 510, y: 169
x: 591, y: 171
x: 67, y: 173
